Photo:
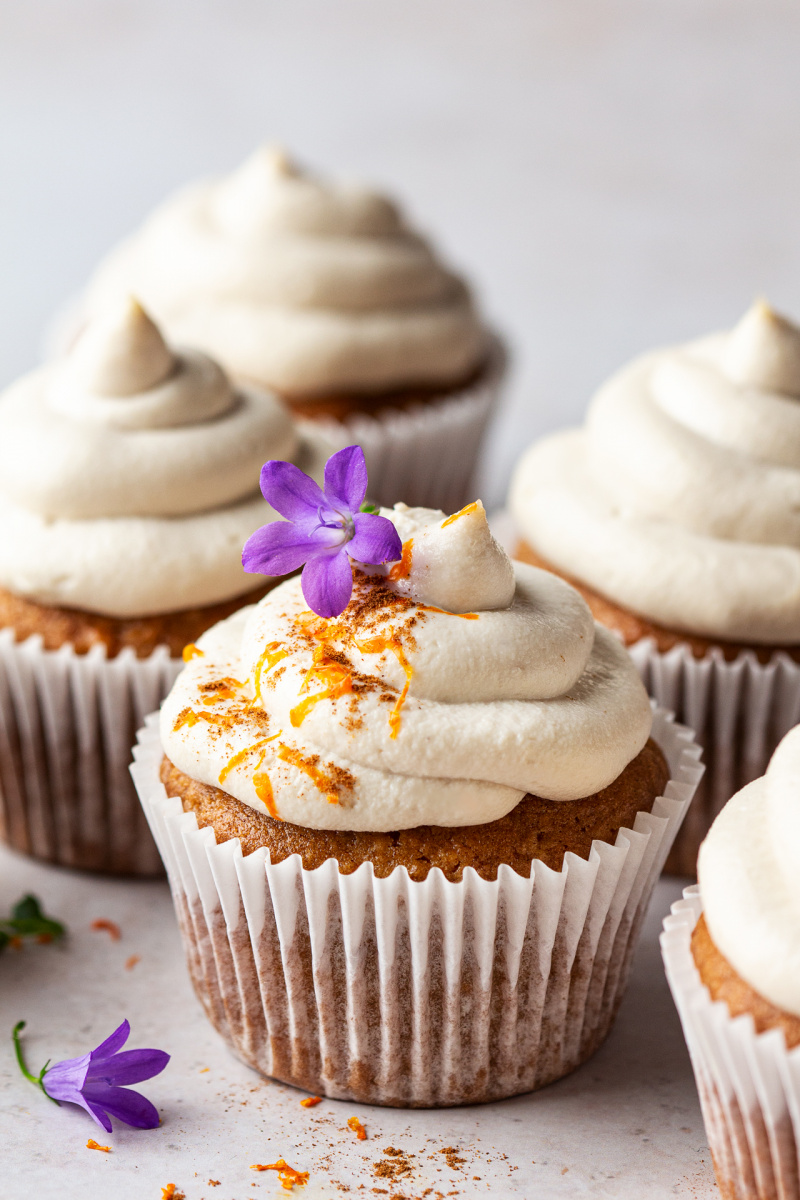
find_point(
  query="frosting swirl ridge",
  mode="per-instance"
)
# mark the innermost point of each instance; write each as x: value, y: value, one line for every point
x: 301, y: 284
x: 129, y: 473
x: 403, y: 712
x: 680, y: 498
x: 749, y: 880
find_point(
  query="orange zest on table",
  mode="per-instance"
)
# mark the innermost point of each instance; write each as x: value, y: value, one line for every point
x: 311, y: 1101
x: 170, y: 1192
x: 110, y: 927
x: 93, y: 1145
x: 287, y: 1175
x: 131, y: 962
x: 357, y: 1128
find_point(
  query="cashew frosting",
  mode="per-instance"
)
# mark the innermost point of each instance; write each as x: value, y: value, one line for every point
x: 298, y: 283
x: 129, y: 473
x: 680, y: 497
x: 750, y: 882
x: 455, y: 682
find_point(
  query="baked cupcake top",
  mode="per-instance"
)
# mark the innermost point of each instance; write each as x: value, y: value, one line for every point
x: 680, y: 496
x: 454, y: 682
x: 749, y: 873
x: 129, y: 473
x: 302, y: 284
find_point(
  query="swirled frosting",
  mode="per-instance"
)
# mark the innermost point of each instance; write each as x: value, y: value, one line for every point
x: 749, y: 873
x: 129, y: 474
x: 680, y: 498
x: 300, y: 284
x: 441, y: 695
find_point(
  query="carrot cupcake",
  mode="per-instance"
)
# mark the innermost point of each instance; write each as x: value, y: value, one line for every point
x: 128, y: 479
x: 321, y: 292
x: 412, y: 812
x: 675, y: 511
x: 732, y: 952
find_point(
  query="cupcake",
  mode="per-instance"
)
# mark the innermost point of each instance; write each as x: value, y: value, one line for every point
x: 675, y: 511
x: 732, y: 953
x: 128, y: 481
x: 412, y: 814
x: 321, y: 292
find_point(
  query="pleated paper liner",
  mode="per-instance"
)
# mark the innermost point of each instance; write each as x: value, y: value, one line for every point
x: 424, y: 455
x: 739, y: 709
x: 749, y: 1084
x: 67, y: 724
x: 415, y: 994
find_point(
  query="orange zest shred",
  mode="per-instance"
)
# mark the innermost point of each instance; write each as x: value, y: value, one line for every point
x: 242, y: 754
x: 191, y: 651
x: 110, y: 927
x: 287, y: 1175
x: 185, y: 717
x: 338, y: 680
x: 227, y: 691
x: 272, y: 654
x: 263, y: 787
x: 463, y: 512
x: 170, y: 1192
x: 401, y: 569
x: 311, y: 1101
x: 131, y: 962
x: 93, y: 1145
x: 445, y: 613
x: 357, y: 1128
x: 378, y: 645
x: 293, y: 756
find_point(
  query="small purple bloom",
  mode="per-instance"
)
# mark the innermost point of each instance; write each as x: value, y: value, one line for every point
x: 94, y: 1081
x: 326, y: 530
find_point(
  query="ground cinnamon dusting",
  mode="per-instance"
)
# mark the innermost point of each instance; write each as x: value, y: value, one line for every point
x: 93, y: 1145
x: 110, y: 927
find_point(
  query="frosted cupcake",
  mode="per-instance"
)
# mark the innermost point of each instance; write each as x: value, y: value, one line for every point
x: 412, y: 814
x: 128, y: 480
x: 732, y: 952
x: 321, y: 292
x: 674, y: 511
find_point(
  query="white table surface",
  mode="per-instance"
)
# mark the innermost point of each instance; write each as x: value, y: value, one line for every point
x: 627, y: 1124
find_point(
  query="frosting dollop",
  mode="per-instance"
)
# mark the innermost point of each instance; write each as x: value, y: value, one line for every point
x: 750, y: 881
x: 680, y: 498
x: 129, y: 473
x: 433, y: 699
x: 298, y: 283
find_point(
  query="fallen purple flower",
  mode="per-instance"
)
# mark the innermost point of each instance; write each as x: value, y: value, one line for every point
x: 94, y: 1081
x: 325, y: 530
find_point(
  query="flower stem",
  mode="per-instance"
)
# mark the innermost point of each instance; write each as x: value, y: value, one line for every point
x: 37, y: 1079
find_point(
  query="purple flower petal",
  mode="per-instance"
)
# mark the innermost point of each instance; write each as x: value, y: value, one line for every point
x: 122, y: 1103
x: 96, y: 1113
x: 291, y: 492
x: 346, y: 479
x: 131, y: 1066
x: 114, y: 1042
x: 327, y: 583
x: 279, y: 548
x: 64, y: 1080
x: 375, y: 540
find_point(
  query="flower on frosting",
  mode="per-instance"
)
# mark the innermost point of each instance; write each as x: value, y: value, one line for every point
x: 95, y: 1080
x: 324, y: 529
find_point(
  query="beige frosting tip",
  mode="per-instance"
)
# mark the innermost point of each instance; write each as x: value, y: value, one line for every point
x: 763, y: 351
x: 122, y: 352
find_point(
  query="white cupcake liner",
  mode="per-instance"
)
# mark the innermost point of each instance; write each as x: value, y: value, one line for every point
x: 67, y: 724
x: 749, y: 1084
x: 739, y: 710
x: 416, y: 994
x: 425, y: 455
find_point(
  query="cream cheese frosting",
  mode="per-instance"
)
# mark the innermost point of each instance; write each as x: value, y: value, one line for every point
x: 749, y: 873
x: 298, y: 283
x: 129, y: 473
x: 680, y: 497
x: 438, y: 697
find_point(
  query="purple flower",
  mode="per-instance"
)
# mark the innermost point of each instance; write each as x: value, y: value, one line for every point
x: 326, y: 530
x: 94, y: 1080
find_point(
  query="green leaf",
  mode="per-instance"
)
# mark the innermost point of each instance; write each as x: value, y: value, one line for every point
x: 28, y: 920
x: 368, y: 507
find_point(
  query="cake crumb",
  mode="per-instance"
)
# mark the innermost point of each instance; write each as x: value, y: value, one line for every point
x: 451, y: 1157
x: 213, y: 1182
x: 93, y: 1145
x: 110, y: 927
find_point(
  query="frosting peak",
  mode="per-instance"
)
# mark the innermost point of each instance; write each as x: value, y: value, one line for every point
x: 121, y: 353
x: 300, y: 283
x: 680, y: 497
x: 763, y: 352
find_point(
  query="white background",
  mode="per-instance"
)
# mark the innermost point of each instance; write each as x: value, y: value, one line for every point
x: 613, y: 173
